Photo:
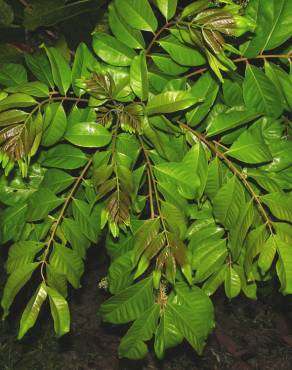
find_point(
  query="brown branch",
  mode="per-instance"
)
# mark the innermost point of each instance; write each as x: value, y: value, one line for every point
x: 235, y: 171
x: 240, y: 60
x: 61, y: 215
x: 157, y: 34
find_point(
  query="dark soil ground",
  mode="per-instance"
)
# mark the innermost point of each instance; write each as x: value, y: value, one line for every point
x: 249, y: 335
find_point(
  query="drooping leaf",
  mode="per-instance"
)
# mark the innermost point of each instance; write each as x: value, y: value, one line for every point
x: 55, y: 123
x: 15, y: 282
x: 280, y: 205
x: 138, y: 76
x: 31, y: 312
x: 60, y: 312
x: 41, y: 203
x: 232, y: 283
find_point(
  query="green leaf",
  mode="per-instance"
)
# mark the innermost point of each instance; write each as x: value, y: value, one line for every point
x: 214, y: 178
x: 284, y: 266
x: 137, y: 13
x: 35, y: 88
x: 260, y: 94
x: 267, y: 254
x: 64, y: 156
x: 111, y: 50
x: 280, y: 205
x: 17, y: 100
x: 167, y: 65
x: 232, y: 283
x: 182, y: 175
x: 192, y: 314
x: 67, y: 262
x: 132, y: 344
x: 120, y: 273
x: 32, y: 310
x: 231, y: 118
x: 228, y: 203
x: 138, y: 76
x: 41, y: 203
x: 250, y: 147
x: 273, y: 25
x: 57, y: 180
x: 167, y: 334
x: 207, y: 89
x: 61, y: 70
x: 171, y: 101
x: 75, y: 237
x: 15, y: 282
x: 84, y: 217
x: 88, y: 135
x: 12, y: 221
x: 181, y: 53
x: 213, y: 283
x: 41, y: 13
x: 12, y: 74
x: 60, y: 312
x: 12, y: 116
x: 123, y: 32
x: 83, y: 61
x: 6, y: 14
x: 167, y: 7
x: 21, y: 253
x: 129, y: 304
x: 55, y: 124
x: 40, y: 66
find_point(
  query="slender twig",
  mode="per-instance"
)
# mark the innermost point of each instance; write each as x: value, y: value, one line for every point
x: 61, y: 215
x: 157, y: 34
x: 240, y: 60
x: 235, y: 171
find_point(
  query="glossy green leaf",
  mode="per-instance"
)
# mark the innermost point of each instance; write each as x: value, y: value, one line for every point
x: 73, y: 233
x: 260, y: 94
x: 228, y: 202
x: 34, y: 88
x: 41, y: 203
x: 12, y: 74
x: 57, y: 180
x: 280, y: 205
x: 123, y: 32
x: 55, y: 123
x: 60, y: 312
x: 12, y: 116
x: 15, y: 282
x: 111, y: 50
x: 137, y: 13
x: 88, y: 135
x: 40, y: 66
x: 67, y: 262
x: 61, y: 70
x: 17, y: 100
x: 192, y: 314
x: 132, y: 344
x: 138, y: 76
x: 232, y: 283
x: 64, y: 156
x: 171, y: 101
x: 167, y: 7
x: 32, y: 310
x: 180, y: 53
x: 273, y: 25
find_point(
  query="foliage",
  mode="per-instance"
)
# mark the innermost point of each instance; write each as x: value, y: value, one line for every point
x: 168, y: 142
